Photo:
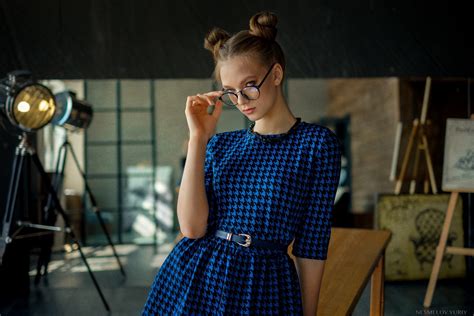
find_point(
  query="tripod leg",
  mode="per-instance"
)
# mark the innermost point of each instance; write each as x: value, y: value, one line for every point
x: 413, y: 181
x: 104, y: 228
x: 11, y: 199
x: 14, y: 181
x: 96, y: 210
x: 58, y: 177
x: 430, y: 166
x: 48, y: 184
x: 406, y: 156
x: 50, y: 217
x: 44, y: 258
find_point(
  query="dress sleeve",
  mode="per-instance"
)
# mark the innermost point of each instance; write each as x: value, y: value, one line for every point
x: 313, y: 234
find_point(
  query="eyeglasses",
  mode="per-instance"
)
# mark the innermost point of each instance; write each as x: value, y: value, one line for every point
x: 252, y: 92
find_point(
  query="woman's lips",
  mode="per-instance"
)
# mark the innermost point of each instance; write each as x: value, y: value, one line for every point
x: 248, y: 111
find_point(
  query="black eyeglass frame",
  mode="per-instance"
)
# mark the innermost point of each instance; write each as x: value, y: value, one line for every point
x: 236, y: 93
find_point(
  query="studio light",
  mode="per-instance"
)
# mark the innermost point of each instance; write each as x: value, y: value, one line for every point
x: 27, y: 104
x: 71, y: 113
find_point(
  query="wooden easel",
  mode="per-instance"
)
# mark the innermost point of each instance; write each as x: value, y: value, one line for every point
x: 442, y: 249
x: 418, y: 134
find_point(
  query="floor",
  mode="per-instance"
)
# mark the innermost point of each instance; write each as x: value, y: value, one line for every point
x: 68, y: 289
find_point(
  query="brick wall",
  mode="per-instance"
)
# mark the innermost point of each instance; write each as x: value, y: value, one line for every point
x: 373, y: 107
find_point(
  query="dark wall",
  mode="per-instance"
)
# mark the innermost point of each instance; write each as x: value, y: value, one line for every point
x: 163, y: 39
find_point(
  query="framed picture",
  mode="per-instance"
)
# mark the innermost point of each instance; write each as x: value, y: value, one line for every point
x: 458, y: 165
x: 416, y: 221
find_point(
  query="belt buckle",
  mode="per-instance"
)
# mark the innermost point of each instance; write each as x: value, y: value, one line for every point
x: 248, y: 240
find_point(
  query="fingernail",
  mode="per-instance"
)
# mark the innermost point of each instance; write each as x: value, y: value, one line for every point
x: 210, y: 108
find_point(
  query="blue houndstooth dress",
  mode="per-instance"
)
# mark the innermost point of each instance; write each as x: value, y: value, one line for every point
x: 275, y: 191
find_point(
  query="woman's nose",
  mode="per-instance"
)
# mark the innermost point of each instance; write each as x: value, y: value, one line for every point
x: 241, y: 99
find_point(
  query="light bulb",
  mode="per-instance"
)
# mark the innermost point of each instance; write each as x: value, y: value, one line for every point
x: 43, y: 106
x: 24, y: 106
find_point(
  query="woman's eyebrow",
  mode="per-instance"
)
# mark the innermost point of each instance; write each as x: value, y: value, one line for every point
x: 245, y: 79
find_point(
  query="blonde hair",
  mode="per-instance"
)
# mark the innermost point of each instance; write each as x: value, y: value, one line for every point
x: 259, y: 42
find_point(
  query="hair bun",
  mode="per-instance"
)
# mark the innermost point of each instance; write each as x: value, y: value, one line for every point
x: 214, y: 39
x: 263, y: 24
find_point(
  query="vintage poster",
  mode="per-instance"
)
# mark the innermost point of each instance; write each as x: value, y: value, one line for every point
x: 416, y: 222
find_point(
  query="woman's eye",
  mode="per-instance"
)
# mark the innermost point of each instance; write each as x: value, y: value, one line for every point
x: 251, y: 83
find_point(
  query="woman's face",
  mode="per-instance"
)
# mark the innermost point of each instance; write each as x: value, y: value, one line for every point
x: 238, y: 72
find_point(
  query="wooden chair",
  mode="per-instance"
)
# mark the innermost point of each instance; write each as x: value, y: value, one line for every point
x: 354, y: 256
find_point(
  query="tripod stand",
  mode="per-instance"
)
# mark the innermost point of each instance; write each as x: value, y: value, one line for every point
x: 45, y: 253
x: 21, y: 151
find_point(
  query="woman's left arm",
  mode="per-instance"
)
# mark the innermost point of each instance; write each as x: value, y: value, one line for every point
x: 310, y: 273
x: 312, y: 236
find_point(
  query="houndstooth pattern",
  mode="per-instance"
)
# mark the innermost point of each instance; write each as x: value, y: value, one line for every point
x: 273, y: 191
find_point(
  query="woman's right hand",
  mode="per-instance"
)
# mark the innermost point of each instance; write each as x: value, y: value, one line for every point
x: 200, y: 122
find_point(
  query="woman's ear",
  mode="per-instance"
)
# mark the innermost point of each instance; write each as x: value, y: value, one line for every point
x: 277, y: 74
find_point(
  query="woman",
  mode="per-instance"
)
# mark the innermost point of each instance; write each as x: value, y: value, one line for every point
x: 246, y: 194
